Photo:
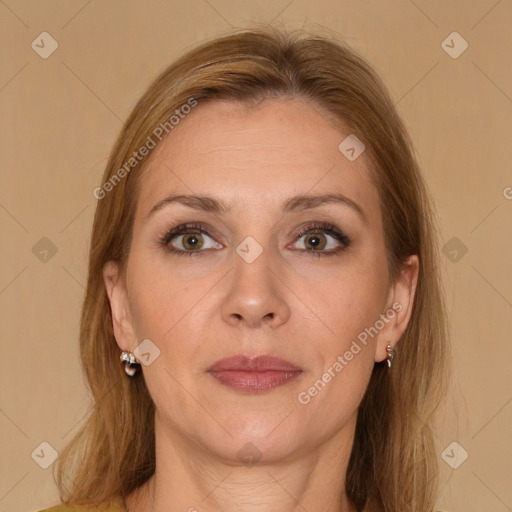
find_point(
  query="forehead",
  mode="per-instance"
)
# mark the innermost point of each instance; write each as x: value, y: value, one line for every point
x: 255, y: 155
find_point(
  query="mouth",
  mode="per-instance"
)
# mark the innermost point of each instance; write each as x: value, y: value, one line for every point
x: 254, y: 375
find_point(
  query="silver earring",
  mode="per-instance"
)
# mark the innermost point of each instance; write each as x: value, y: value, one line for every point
x: 389, y: 350
x: 131, y: 366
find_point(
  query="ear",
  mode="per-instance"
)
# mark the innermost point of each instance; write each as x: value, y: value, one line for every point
x: 122, y: 322
x: 398, y: 308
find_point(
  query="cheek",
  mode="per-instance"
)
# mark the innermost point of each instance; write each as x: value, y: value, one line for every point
x: 350, y: 305
x: 350, y: 299
x: 166, y: 308
x: 156, y: 302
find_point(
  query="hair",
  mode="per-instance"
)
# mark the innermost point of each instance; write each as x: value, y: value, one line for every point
x: 393, y: 464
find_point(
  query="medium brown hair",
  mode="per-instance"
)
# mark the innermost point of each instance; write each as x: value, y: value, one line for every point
x: 393, y: 465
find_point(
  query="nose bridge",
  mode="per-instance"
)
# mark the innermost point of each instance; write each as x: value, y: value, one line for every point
x: 255, y: 292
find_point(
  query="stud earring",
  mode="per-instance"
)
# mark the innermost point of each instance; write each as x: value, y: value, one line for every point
x: 389, y: 350
x: 131, y: 366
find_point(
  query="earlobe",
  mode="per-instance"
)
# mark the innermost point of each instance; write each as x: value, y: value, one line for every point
x: 400, y: 303
x: 119, y: 306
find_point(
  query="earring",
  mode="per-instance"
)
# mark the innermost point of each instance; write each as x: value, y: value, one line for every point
x: 389, y: 350
x: 130, y: 363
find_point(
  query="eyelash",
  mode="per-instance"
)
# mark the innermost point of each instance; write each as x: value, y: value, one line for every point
x: 322, y: 227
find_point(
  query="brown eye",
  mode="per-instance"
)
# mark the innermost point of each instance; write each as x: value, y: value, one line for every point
x: 321, y: 239
x: 188, y: 239
x: 192, y: 241
x: 315, y: 241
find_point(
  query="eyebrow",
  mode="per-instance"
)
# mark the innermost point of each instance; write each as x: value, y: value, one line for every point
x: 293, y: 204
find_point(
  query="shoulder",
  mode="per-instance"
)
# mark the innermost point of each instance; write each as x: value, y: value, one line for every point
x: 112, y: 506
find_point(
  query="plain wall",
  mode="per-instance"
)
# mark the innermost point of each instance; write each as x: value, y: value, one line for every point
x: 59, y: 119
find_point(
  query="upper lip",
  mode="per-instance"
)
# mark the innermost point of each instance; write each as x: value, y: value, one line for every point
x: 262, y: 363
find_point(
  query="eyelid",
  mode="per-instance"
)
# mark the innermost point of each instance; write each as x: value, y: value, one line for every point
x: 189, y: 227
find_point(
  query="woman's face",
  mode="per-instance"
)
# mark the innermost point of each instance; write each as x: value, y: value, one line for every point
x: 274, y: 274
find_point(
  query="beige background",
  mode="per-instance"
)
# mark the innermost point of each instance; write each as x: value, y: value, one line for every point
x: 59, y: 118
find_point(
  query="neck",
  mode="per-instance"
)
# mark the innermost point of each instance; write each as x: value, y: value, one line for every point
x: 189, y: 478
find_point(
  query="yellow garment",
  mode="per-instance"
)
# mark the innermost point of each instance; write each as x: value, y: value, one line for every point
x: 113, y: 506
x: 117, y: 506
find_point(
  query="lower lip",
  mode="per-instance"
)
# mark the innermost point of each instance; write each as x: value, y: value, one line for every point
x: 255, y: 382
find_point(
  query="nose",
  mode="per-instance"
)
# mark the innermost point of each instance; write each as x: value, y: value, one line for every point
x: 256, y: 295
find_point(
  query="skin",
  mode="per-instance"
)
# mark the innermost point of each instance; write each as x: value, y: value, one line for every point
x: 287, y: 303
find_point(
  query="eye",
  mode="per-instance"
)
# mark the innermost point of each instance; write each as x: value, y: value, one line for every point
x: 187, y: 239
x: 317, y: 237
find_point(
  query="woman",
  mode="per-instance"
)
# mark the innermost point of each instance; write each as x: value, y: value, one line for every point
x: 264, y: 327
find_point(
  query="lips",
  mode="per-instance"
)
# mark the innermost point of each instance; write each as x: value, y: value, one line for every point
x: 256, y: 364
x: 254, y: 375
